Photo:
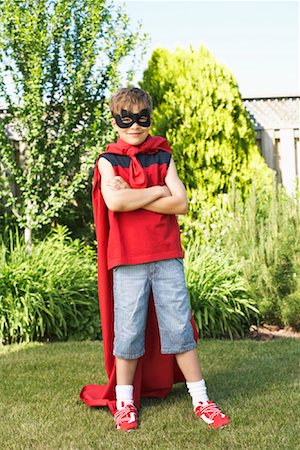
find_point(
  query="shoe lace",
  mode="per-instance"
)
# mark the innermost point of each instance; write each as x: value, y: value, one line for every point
x: 123, y: 413
x: 210, y: 409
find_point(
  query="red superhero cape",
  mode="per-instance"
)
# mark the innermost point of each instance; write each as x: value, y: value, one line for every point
x: 155, y: 373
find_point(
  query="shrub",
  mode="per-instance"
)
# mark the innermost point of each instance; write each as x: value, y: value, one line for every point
x: 59, y: 61
x: 290, y: 310
x: 199, y: 109
x: 220, y: 301
x: 50, y: 292
x: 263, y: 234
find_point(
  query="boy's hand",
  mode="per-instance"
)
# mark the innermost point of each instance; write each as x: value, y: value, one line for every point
x: 166, y: 191
x: 117, y: 183
x: 173, y: 199
x: 118, y: 194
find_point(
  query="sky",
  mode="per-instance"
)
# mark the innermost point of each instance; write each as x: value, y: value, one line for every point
x: 258, y: 41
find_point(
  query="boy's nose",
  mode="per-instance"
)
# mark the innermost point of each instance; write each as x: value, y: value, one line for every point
x: 135, y: 125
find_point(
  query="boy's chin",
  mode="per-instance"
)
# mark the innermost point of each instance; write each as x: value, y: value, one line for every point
x: 135, y: 140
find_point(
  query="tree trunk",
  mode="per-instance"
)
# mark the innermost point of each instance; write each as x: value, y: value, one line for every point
x: 28, y: 230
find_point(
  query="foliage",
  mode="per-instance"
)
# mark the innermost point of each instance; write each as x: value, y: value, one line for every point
x: 267, y: 241
x: 49, y: 293
x: 262, y: 235
x: 59, y: 60
x: 290, y: 310
x: 220, y: 300
x: 198, y: 108
x: 77, y: 216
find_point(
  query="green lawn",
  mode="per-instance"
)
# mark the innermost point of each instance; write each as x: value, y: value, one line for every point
x: 256, y: 383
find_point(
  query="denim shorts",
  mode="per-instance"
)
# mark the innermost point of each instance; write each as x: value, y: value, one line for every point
x: 132, y: 286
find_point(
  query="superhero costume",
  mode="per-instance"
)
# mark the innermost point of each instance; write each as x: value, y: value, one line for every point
x: 155, y: 373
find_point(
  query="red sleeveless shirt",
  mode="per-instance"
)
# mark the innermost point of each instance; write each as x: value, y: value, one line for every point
x: 141, y: 236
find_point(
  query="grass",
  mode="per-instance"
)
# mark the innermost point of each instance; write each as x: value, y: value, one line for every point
x: 256, y: 383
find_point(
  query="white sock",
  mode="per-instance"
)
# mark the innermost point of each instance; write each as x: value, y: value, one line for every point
x: 197, y: 390
x: 124, y: 395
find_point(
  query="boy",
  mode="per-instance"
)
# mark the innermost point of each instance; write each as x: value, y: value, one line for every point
x: 143, y: 194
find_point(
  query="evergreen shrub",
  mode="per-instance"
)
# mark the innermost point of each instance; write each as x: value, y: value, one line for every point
x: 199, y: 109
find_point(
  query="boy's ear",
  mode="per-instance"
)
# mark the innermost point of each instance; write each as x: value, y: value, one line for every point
x: 114, y: 124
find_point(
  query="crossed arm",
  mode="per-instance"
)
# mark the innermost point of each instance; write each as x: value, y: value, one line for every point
x: 119, y: 196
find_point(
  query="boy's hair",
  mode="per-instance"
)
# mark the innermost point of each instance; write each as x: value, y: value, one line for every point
x: 128, y: 97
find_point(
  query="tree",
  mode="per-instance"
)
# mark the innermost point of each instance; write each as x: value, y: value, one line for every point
x: 198, y: 108
x: 59, y: 60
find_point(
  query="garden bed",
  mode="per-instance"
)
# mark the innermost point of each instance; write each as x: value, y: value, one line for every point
x: 267, y: 332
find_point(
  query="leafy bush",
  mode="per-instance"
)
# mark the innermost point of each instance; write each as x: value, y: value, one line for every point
x: 59, y: 62
x: 199, y: 109
x: 290, y: 311
x: 263, y: 234
x: 50, y: 292
x: 220, y: 300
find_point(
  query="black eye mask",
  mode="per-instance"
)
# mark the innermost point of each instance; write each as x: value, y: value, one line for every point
x: 126, y: 119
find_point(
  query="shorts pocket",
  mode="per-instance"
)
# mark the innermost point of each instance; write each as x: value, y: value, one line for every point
x: 180, y: 260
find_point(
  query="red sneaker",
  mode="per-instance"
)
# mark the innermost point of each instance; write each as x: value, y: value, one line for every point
x: 126, y: 418
x: 211, y: 414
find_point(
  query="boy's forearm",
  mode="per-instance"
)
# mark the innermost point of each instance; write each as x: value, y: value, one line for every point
x: 176, y: 202
x: 131, y: 199
x: 168, y: 205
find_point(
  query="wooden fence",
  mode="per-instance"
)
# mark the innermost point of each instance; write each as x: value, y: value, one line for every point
x: 277, y: 121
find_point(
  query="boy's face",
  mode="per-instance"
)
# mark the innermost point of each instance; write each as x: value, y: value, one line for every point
x: 135, y: 124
